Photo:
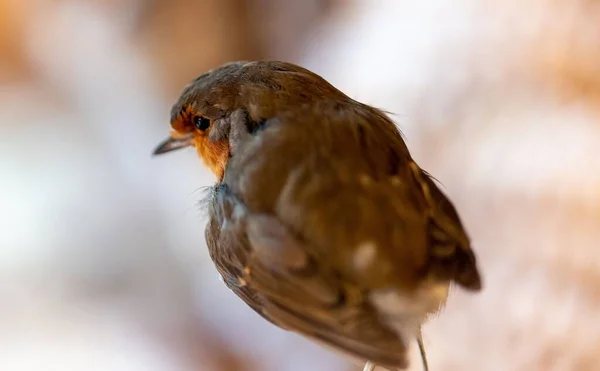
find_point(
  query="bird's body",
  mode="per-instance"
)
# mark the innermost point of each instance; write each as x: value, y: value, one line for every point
x: 321, y: 221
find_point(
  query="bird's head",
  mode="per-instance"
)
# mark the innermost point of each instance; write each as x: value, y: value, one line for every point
x: 262, y: 89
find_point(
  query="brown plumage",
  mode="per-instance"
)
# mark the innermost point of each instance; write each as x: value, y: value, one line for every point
x: 320, y: 220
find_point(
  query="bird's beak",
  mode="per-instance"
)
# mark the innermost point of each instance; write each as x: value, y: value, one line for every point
x: 174, y: 142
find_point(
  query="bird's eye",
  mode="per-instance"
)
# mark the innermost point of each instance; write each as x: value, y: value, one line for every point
x: 201, y: 123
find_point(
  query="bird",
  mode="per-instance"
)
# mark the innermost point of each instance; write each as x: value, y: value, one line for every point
x: 319, y: 219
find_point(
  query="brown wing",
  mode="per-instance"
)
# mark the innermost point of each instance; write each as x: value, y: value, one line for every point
x: 339, y: 174
x: 271, y: 270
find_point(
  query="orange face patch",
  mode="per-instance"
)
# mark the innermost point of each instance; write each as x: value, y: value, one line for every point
x: 214, y: 154
x: 183, y: 123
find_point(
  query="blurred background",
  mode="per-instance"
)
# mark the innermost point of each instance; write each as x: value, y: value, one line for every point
x: 103, y: 264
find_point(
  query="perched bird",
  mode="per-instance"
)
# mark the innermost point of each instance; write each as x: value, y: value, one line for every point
x: 320, y: 220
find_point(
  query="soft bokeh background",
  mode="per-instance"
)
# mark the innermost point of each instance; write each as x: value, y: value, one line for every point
x: 103, y: 264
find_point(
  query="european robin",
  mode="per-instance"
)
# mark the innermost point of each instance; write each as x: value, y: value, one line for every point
x: 320, y: 220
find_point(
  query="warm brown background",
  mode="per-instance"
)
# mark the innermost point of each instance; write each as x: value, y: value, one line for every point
x: 102, y: 260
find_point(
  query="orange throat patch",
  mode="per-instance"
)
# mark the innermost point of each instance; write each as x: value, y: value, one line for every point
x: 214, y: 154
